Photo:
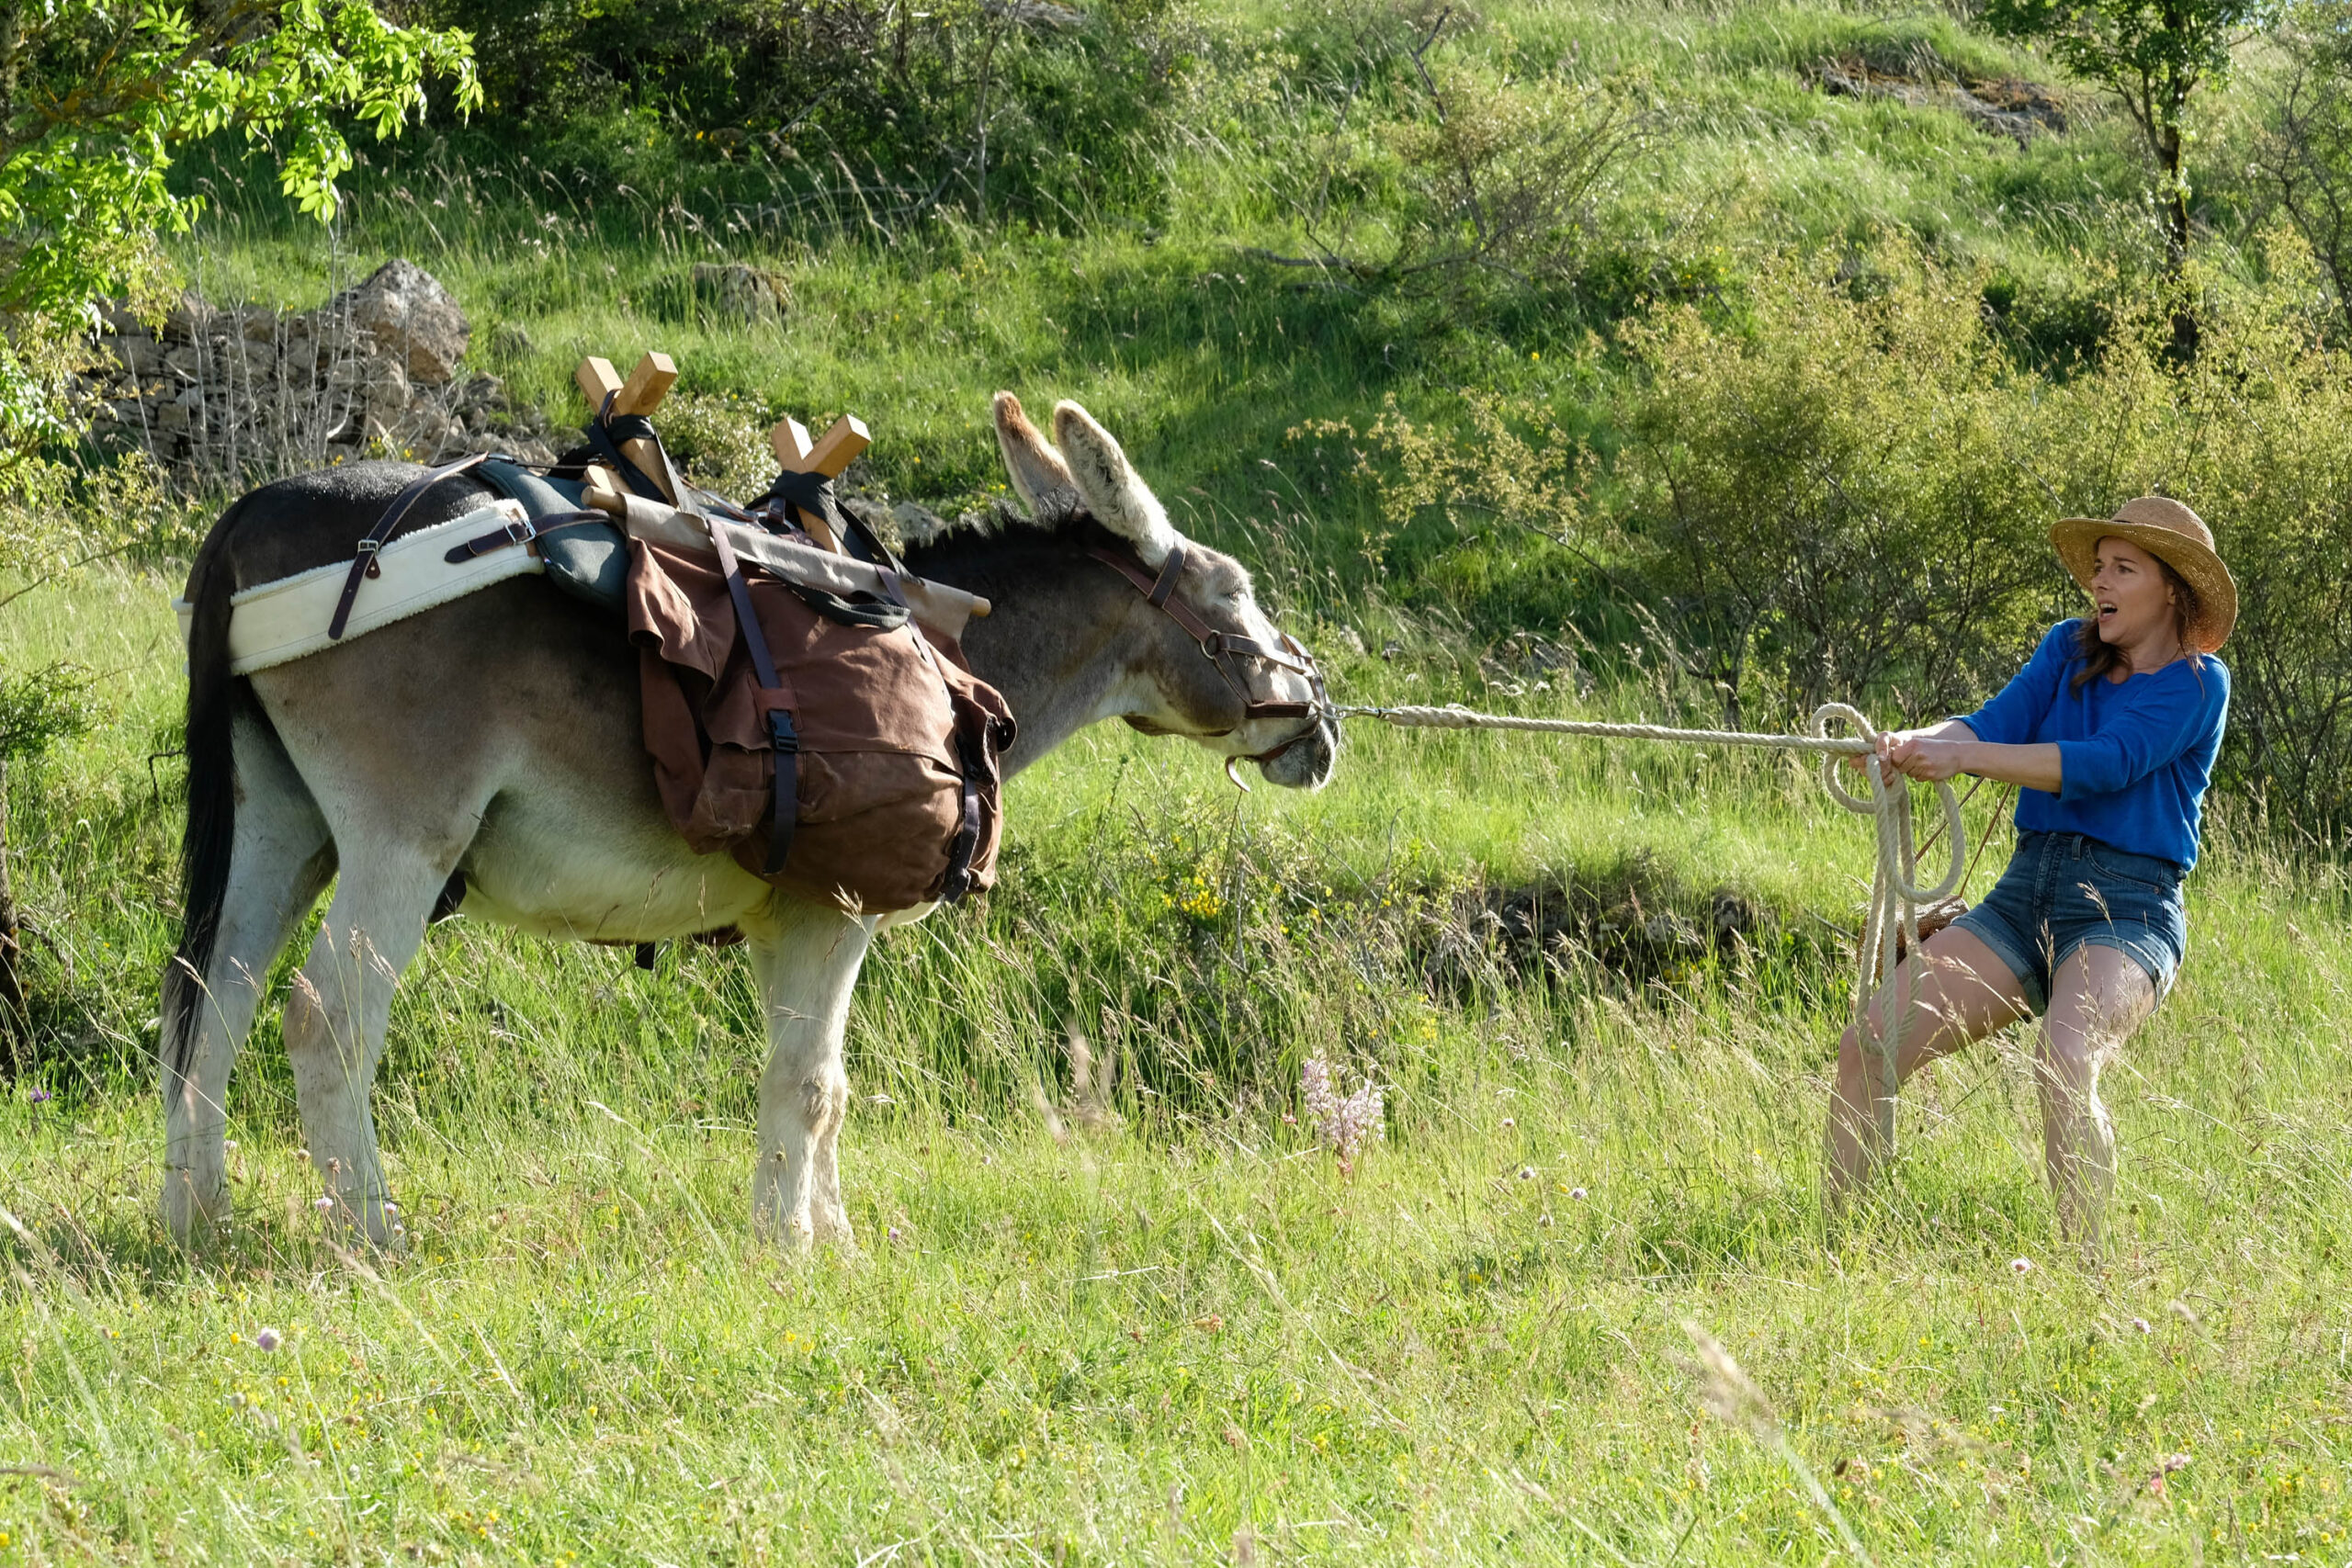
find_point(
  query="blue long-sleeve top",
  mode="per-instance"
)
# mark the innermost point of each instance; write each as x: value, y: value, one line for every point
x: 2135, y: 756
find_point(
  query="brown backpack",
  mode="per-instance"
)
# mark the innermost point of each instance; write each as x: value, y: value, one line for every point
x: 886, y: 741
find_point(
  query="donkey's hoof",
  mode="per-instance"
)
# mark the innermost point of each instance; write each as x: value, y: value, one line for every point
x: 832, y: 1229
x: 370, y: 1226
x: 793, y: 1234
x: 191, y: 1209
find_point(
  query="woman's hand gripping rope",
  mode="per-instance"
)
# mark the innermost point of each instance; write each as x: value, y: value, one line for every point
x: 1887, y: 760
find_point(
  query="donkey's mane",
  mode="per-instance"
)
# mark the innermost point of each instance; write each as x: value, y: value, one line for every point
x: 1000, y: 542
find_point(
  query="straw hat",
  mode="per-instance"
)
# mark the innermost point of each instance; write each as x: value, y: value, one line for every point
x: 2174, y: 535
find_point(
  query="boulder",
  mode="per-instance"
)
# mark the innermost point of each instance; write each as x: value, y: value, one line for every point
x: 406, y: 313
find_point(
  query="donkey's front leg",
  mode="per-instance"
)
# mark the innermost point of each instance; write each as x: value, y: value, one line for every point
x: 807, y: 955
x: 334, y: 1026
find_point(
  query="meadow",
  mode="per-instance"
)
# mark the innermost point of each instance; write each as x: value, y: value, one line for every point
x: 1113, y: 1301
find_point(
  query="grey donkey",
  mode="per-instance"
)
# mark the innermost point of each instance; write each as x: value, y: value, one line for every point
x: 492, y: 745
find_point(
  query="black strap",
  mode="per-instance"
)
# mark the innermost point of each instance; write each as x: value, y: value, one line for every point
x: 865, y: 610
x: 785, y: 813
x: 522, y: 532
x: 605, y: 434
x: 958, y: 879
x: 363, y: 564
x: 814, y: 492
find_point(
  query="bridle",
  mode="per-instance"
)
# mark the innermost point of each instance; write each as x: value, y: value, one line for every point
x: 1224, y: 651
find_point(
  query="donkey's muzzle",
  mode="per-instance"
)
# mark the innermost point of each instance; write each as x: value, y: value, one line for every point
x: 1305, y: 761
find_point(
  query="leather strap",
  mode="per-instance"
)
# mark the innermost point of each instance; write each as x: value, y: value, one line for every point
x: 363, y: 563
x: 1171, y: 572
x: 958, y: 878
x: 522, y: 532
x: 784, y: 810
x: 1158, y: 591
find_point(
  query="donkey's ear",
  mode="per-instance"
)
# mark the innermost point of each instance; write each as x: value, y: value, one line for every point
x: 1109, y: 485
x: 1039, y: 476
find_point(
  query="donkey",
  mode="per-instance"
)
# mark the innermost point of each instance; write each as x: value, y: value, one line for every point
x: 491, y: 746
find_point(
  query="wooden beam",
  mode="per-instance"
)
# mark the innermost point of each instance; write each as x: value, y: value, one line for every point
x: 789, y: 442
x: 647, y: 384
x: 597, y: 380
x: 838, y: 449
x: 644, y: 390
x: 840, y: 446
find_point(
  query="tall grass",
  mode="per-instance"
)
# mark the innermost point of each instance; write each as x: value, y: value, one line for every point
x: 1152, y: 1343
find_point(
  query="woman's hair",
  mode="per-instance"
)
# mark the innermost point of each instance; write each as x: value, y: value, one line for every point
x: 2100, y: 657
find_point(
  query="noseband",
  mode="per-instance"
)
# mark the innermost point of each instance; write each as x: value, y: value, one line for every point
x: 1223, y: 650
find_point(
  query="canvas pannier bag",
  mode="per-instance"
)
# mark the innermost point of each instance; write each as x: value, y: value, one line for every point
x: 891, y: 741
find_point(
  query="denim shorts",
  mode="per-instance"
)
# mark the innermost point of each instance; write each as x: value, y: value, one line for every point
x: 2064, y: 891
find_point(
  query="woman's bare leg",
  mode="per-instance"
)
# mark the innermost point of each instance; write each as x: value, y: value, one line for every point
x: 1964, y: 992
x: 2099, y: 995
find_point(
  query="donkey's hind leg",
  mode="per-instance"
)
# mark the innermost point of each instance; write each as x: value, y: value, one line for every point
x: 336, y: 1016
x: 807, y: 955
x: 280, y: 860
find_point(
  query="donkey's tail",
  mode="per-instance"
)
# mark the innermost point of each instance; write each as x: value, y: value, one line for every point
x: 207, y: 846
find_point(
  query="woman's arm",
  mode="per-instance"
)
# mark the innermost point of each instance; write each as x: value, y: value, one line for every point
x: 1942, y: 749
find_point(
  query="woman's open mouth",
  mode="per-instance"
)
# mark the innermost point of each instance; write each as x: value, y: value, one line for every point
x: 2106, y: 614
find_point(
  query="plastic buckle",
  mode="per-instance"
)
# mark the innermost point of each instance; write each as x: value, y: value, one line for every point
x: 781, y: 735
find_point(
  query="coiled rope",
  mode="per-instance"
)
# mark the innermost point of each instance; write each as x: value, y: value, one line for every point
x: 1896, y: 896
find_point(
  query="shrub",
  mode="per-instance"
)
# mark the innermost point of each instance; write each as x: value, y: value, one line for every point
x: 1829, y: 500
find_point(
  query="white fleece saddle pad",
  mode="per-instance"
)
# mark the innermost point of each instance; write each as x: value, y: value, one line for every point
x: 272, y: 623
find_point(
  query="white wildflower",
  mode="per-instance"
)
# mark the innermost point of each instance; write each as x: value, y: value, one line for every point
x: 1344, y: 1123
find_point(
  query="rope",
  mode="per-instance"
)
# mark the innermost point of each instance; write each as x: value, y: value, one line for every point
x: 1896, y: 895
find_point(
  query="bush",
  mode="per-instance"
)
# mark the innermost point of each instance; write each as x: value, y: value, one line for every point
x: 1830, y: 500
x: 1002, y: 105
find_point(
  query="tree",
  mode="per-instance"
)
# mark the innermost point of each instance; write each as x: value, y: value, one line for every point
x: 2305, y: 154
x: 2153, y: 55
x: 95, y: 97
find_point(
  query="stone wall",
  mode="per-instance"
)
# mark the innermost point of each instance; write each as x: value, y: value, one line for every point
x: 238, y: 394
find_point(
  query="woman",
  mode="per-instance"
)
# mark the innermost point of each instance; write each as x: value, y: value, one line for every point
x: 2109, y: 731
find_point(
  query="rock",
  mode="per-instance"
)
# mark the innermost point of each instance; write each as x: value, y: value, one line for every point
x: 747, y: 294
x: 407, y: 314
x: 239, y: 394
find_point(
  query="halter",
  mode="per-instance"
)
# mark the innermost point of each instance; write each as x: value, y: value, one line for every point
x: 1222, y: 650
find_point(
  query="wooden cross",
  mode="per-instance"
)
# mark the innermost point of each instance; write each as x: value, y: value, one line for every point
x: 641, y: 393
x: 829, y: 456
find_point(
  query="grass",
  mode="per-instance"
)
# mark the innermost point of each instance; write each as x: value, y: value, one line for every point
x: 1192, y: 1336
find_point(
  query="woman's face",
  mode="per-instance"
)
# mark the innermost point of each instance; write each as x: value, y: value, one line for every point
x: 2132, y: 598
